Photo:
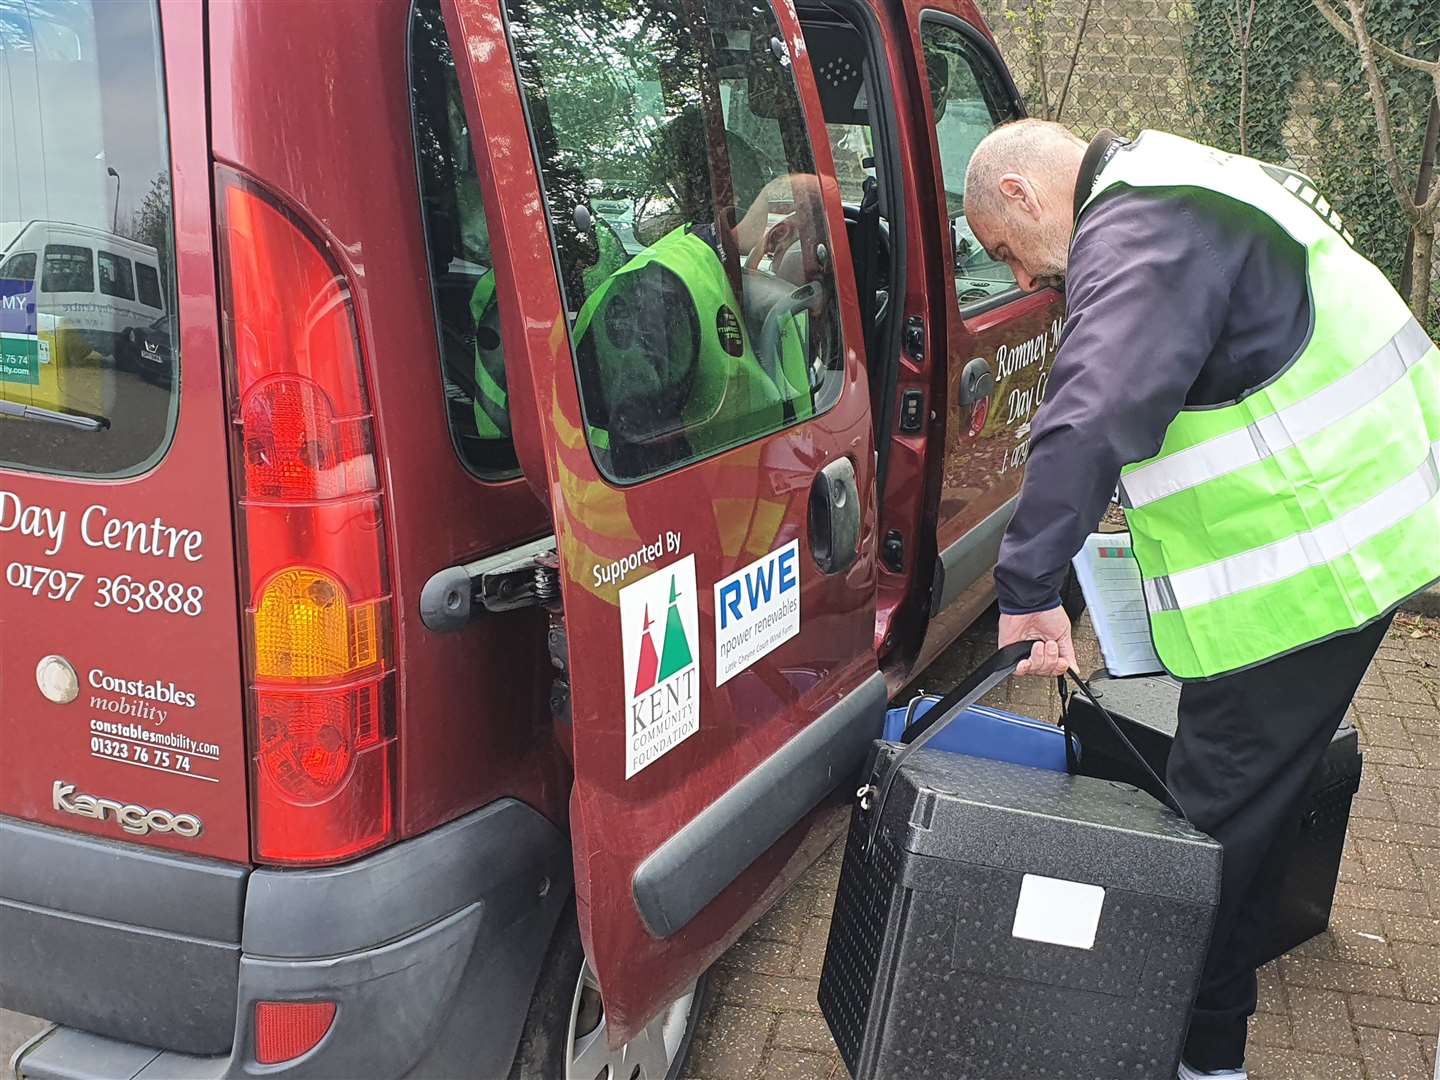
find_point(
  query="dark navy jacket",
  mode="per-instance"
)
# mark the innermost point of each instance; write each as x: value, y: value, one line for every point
x: 1174, y: 298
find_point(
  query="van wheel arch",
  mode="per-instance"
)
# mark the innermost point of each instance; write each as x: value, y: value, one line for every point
x: 546, y: 1038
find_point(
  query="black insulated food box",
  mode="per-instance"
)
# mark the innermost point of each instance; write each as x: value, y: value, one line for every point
x: 1013, y: 922
x: 1147, y: 710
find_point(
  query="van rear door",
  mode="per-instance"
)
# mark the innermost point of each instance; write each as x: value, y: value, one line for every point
x: 705, y: 442
x: 120, y: 684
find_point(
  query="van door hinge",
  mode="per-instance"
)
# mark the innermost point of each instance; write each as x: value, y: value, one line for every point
x: 523, y: 577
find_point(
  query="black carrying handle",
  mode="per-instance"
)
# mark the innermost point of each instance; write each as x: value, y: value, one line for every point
x: 999, y: 667
x: 1084, y: 688
x: 982, y: 680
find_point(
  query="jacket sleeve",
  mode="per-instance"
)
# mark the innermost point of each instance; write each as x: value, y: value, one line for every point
x: 1148, y: 288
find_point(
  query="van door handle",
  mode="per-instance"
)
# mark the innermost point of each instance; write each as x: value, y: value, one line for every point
x: 976, y: 381
x: 835, y: 517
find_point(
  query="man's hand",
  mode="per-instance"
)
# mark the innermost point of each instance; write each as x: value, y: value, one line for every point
x: 1053, y: 653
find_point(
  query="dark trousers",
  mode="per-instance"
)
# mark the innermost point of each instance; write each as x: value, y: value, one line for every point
x: 1246, y: 747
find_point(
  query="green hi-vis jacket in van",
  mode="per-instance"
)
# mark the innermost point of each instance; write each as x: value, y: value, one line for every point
x: 667, y: 342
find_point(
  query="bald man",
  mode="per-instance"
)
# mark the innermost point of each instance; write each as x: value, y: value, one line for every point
x: 1193, y: 280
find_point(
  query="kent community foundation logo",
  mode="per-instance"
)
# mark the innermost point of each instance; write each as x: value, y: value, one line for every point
x: 661, y: 647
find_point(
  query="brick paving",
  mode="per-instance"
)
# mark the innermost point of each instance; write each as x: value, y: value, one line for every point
x: 1360, y: 1002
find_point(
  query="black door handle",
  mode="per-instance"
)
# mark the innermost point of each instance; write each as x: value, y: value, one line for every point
x: 976, y: 381
x: 835, y: 517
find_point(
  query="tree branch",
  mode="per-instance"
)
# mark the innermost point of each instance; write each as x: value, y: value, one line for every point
x: 1074, y: 59
x: 1364, y: 45
x: 1244, y: 46
x: 1431, y: 205
x: 1431, y: 68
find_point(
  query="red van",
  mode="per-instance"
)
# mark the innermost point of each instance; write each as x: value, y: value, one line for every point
x: 472, y: 473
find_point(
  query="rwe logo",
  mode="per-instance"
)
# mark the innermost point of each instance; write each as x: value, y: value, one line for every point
x: 757, y: 609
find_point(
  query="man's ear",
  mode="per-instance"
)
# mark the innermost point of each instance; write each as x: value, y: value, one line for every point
x: 1020, y: 194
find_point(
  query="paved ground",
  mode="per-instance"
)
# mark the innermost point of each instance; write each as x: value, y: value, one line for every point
x: 15, y: 1028
x: 1358, y: 1003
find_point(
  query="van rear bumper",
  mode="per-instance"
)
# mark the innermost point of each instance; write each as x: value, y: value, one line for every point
x: 430, y: 949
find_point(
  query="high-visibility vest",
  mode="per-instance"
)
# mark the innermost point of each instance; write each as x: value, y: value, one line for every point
x: 664, y: 350
x: 1310, y: 506
x: 492, y: 403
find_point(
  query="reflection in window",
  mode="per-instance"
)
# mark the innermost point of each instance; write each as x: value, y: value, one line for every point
x: 687, y: 216
x: 68, y: 269
x: 116, y: 277
x: 458, y: 242
x: 88, y: 375
x: 968, y: 103
x: 147, y: 282
x: 19, y: 267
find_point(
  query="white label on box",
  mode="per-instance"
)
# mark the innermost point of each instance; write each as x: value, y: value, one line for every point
x: 1057, y: 911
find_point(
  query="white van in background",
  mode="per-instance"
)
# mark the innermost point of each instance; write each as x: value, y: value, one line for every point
x: 96, y: 282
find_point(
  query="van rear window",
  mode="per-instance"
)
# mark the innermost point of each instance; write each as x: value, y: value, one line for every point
x: 147, y: 281
x: 68, y: 269
x: 89, y: 371
x: 116, y: 277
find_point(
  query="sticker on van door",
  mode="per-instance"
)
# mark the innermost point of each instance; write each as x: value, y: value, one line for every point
x: 660, y: 644
x: 21, y: 349
x: 757, y: 609
x: 20, y: 359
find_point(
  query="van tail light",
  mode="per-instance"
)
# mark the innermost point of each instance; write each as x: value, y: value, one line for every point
x: 286, y: 1029
x: 315, y: 568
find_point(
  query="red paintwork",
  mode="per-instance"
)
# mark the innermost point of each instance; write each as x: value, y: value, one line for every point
x: 40, y: 741
x: 943, y: 481
x: 318, y: 112
x: 904, y: 505
x: 969, y: 475
x: 309, y: 112
x: 617, y: 823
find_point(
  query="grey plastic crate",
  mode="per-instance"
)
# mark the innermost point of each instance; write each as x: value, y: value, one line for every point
x: 1147, y: 710
x: 924, y: 976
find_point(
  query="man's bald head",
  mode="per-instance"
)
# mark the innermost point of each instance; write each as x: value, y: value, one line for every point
x: 1019, y: 197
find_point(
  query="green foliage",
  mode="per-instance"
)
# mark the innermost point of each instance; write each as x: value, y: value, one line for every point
x: 1307, y: 104
x: 1028, y: 26
x: 1274, y: 64
x: 150, y: 223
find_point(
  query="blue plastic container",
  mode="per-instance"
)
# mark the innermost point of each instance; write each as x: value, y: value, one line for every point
x: 990, y: 733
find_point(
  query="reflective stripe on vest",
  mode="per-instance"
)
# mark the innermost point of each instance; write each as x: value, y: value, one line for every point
x: 1311, y: 505
x: 1279, y: 430
x: 1283, y: 559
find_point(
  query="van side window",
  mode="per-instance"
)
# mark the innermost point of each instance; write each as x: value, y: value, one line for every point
x: 147, y: 284
x: 116, y: 277
x: 68, y: 269
x: 687, y: 218
x: 968, y: 103
x: 19, y: 267
x: 457, y: 240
